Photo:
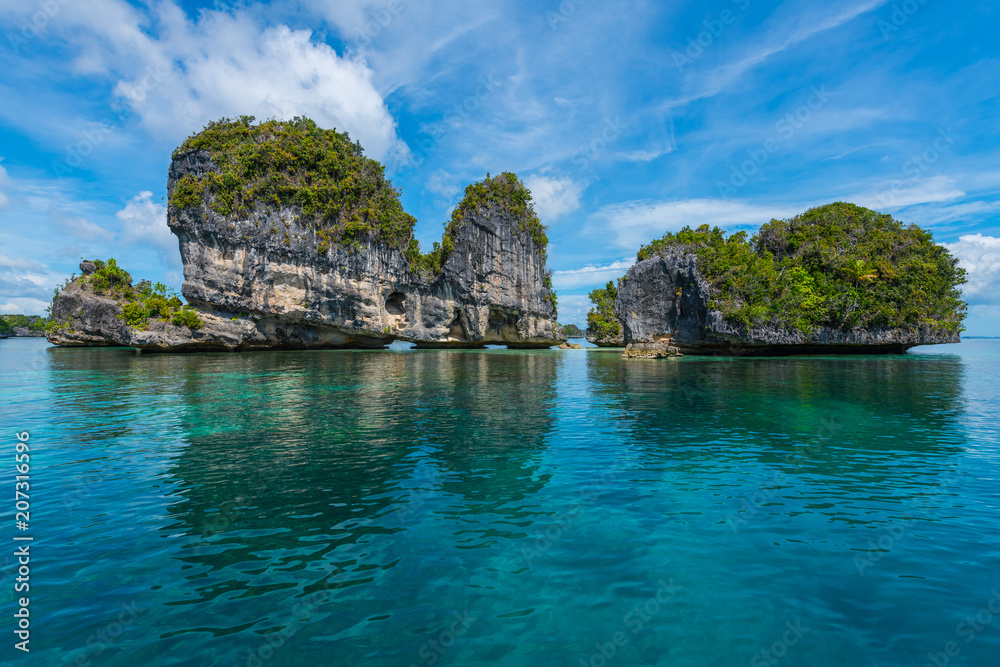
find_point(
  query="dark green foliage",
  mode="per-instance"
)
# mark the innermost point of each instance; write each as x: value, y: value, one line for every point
x: 110, y: 279
x: 186, y: 317
x: 31, y: 322
x: 571, y: 331
x: 601, y: 318
x: 141, y: 302
x: 5, y: 328
x: 295, y: 163
x: 839, y: 265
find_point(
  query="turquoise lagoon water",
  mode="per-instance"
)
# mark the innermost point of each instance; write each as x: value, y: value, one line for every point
x: 505, y: 508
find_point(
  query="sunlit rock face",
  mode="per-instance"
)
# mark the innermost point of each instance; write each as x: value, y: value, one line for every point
x: 490, y: 289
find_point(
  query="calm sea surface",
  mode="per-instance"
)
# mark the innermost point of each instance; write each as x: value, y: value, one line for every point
x: 504, y: 508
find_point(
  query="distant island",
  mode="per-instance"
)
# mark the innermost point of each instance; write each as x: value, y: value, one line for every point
x: 22, y: 326
x: 572, y: 331
x: 837, y: 279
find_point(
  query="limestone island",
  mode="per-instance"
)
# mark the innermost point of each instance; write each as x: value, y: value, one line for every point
x: 838, y: 279
x: 292, y: 238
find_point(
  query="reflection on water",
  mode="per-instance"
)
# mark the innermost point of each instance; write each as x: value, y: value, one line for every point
x: 509, y: 508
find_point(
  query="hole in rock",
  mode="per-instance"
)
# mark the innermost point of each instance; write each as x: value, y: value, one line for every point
x: 395, y: 304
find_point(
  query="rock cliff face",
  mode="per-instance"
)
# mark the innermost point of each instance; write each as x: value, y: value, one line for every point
x: 266, y: 275
x: 269, y: 265
x: 666, y: 298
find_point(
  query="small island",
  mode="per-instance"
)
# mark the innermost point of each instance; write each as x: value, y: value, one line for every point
x: 572, y: 331
x: 837, y: 279
x: 16, y: 325
x: 292, y: 238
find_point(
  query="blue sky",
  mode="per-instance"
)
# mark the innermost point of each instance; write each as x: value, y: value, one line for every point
x: 626, y: 119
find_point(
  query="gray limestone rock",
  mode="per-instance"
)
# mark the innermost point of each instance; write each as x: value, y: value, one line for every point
x: 267, y: 280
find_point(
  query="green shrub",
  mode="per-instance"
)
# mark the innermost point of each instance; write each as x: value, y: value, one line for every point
x: 135, y: 314
x: 5, y: 328
x: 295, y: 163
x: 186, y: 317
x: 32, y: 322
x: 571, y: 331
x: 111, y: 279
x: 839, y: 266
x: 140, y: 303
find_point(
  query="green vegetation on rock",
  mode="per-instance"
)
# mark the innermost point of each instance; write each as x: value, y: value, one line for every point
x: 571, y: 331
x: 5, y: 328
x: 142, y: 302
x: 601, y: 318
x: 345, y: 195
x: 30, y: 322
x: 505, y: 191
x: 295, y: 163
x: 840, y: 266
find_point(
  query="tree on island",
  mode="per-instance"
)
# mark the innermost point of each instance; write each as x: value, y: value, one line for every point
x: 601, y: 320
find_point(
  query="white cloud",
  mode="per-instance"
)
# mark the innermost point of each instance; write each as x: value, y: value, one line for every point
x: 187, y: 72
x: 442, y: 183
x: 25, y: 283
x: 24, y: 306
x: 573, y: 309
x: 899, y: 194
x: 144, y: 222
x: 590, y: 276
x: 940, y: 215
x: 554, y: 197
x: 80, y: 228
x: 634, y: 223
x: 979, y: 255
x: 19, y: 263
x: 4, y: 184
x: 645, y: 156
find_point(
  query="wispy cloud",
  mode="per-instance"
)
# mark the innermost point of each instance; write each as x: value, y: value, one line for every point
x: 4, y: 184
x: 781, y: 38
x: 896, y: 195
x: 634, y: 223
x: 590, y: 275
